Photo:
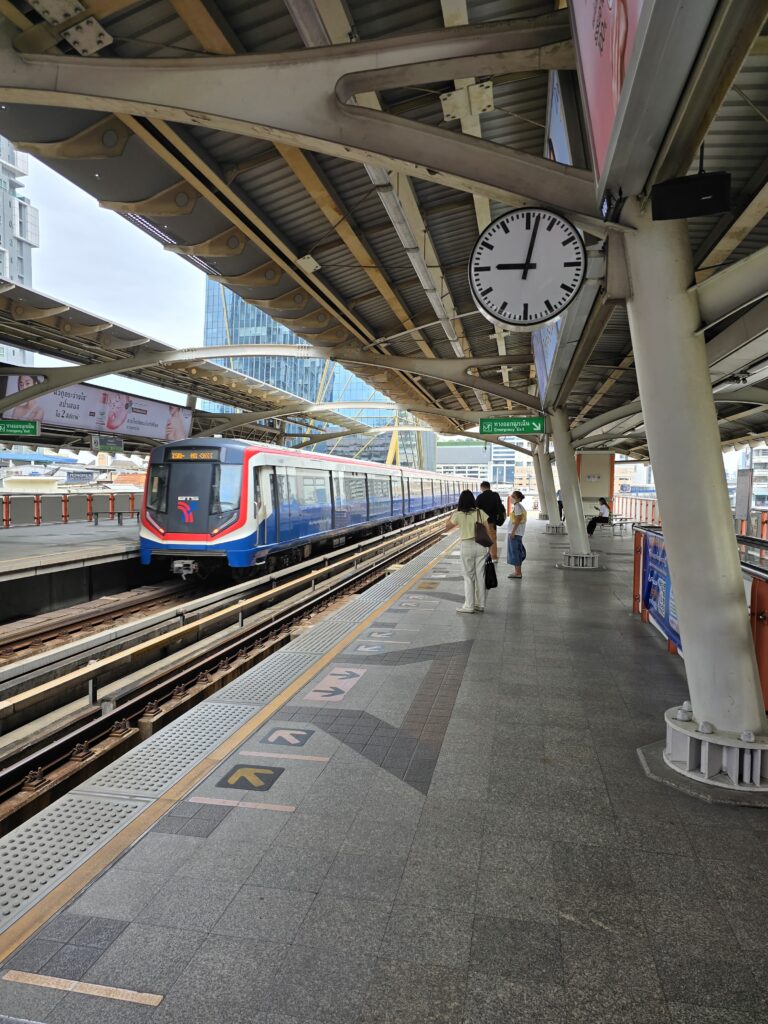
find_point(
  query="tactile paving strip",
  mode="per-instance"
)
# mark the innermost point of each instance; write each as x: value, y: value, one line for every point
x: 40, y: 853
x: 264, y: 681
x: 318, y: 639
x: 152, y: 768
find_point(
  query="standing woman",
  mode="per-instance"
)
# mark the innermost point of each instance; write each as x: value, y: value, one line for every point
x: 473, y: 555
x: 515, y: 549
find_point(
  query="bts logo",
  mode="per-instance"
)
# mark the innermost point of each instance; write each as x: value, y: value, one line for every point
x: 187, y: 508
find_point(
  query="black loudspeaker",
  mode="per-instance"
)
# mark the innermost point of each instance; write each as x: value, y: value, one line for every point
x: 694, y: 196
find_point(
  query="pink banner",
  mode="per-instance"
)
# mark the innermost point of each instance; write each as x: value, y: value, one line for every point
x: 605, y: 35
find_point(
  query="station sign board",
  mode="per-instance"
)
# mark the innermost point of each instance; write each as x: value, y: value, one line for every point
x: 19, y: 428
x: 514, y: 425
x: 106, y: 443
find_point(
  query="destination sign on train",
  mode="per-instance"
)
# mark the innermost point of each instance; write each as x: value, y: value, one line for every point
x: 194, y: 455
x: 512, y: 425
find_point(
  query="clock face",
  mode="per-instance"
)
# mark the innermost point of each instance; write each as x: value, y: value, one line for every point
x: 526, y: 267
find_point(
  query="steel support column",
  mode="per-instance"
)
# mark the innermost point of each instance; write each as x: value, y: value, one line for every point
x: 581, y: 556
x: 543, y: 507
x: 548, y: 479
x: 716, y: 742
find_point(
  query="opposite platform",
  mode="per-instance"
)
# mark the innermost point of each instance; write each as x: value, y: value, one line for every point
x: 36, y: 550
x: 411, y: 815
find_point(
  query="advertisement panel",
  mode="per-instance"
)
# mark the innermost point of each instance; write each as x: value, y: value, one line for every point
x: 657, y: 588
x: 544, y: 341
x: 96, y: 409
x: 605, y: 36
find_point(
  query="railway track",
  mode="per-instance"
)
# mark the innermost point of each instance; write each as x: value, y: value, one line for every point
x: 123, y: 693
x: 29, y: 636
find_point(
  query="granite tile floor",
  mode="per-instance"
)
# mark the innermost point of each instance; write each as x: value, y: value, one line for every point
x: 528, y: 873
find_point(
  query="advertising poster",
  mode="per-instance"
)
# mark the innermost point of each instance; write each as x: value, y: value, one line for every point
x: 544, y: 342
x: 83, y: 406
x: 605, y: 35
x: 657, y: 588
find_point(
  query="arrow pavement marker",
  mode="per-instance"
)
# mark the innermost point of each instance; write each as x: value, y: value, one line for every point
x: 247, y: 776
x: 289, y: 737
x: 336, y: 684
x: 379, y: 647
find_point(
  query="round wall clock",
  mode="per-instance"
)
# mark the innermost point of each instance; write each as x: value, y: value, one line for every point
x: 526, y: 267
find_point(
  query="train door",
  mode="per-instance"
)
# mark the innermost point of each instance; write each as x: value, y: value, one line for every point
x: 276, y: 511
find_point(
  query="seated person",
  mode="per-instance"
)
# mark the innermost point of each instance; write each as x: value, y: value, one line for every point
x: 603, y: 516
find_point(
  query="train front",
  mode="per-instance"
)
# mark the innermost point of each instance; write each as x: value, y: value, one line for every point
x: 195, y: 509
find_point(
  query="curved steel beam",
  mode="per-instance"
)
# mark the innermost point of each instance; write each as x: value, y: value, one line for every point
x: 584, y: 429
x: 302, y: 98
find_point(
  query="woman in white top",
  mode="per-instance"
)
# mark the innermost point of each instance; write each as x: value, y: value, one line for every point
x: 515, y: 549
x: 473, y: 555
x: 603, y: 516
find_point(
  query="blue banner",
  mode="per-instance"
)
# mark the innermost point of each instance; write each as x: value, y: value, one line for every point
x: 657, y: 588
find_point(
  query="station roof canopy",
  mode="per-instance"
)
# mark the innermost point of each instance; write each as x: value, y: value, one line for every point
x: 49, y: 327
x: 350, y: 216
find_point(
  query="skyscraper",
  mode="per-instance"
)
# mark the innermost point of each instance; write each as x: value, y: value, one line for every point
x: 19, y: 234
x: 230, y: 320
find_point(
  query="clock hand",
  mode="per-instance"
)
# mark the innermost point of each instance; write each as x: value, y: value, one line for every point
x: 515, y: 266
x: 528, y: 265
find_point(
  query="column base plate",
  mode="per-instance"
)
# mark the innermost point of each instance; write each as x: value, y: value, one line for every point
x: 651, y: 758
x: 571, y: 561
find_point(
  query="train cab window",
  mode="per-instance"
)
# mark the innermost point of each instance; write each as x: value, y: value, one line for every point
x: 256, y: 489
x: 157, y: 490
x: 225, y: 488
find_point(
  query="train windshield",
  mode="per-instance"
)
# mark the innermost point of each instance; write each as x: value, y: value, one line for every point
x: 225, y: 488
x: 157, y: 491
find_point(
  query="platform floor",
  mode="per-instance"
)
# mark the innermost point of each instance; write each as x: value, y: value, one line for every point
x: 32, y: 550
x: 448, y: 822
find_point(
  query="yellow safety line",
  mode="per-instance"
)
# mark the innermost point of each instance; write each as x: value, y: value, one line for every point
x: 125, y: 995
x: 73, y: 885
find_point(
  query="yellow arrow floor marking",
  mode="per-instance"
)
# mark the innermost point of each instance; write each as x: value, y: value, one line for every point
x: 252, y: 775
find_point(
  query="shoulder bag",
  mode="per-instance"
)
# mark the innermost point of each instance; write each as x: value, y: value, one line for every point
x: 481, y: 534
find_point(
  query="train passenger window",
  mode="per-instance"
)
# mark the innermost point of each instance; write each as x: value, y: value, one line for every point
x: 225, y: 488
x: 157, y: 491
x: 397, y: 488
x: 312, y: 488
x: 354, y: 488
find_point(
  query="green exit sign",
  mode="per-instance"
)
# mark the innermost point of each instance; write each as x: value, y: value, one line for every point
x: 512, y: 425
x: 19, y: 428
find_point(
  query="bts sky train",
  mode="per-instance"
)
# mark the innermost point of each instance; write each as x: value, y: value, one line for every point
x: 212, y: 502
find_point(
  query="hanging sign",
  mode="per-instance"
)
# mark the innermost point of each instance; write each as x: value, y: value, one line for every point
x: 515, y: 425
x: 19, y: 428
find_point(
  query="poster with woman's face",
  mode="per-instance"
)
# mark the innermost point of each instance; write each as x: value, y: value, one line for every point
x: 98, y: 409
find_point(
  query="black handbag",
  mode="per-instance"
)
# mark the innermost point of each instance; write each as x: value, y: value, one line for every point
x: 490, y: 574
x: 481, y: 534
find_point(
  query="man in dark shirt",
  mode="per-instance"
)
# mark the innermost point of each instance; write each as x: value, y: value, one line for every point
x: 490, y: 502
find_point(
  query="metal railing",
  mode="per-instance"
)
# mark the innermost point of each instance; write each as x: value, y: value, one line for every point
x: 45, y: 509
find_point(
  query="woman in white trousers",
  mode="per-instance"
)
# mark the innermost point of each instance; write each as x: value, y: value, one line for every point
x: 473, y: 555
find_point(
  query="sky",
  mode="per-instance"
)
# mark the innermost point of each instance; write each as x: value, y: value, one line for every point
x: 95, y: 260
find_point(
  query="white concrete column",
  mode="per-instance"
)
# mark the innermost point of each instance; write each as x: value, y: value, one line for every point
x: 684, y: 445
x: 569, y: 483
x: 548, y: 479
x: 543, y: 507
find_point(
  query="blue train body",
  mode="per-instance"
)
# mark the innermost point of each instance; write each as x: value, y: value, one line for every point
x: 210, y: 501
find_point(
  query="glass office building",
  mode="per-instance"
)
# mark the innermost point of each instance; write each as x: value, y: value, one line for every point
x: 230, y: 320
